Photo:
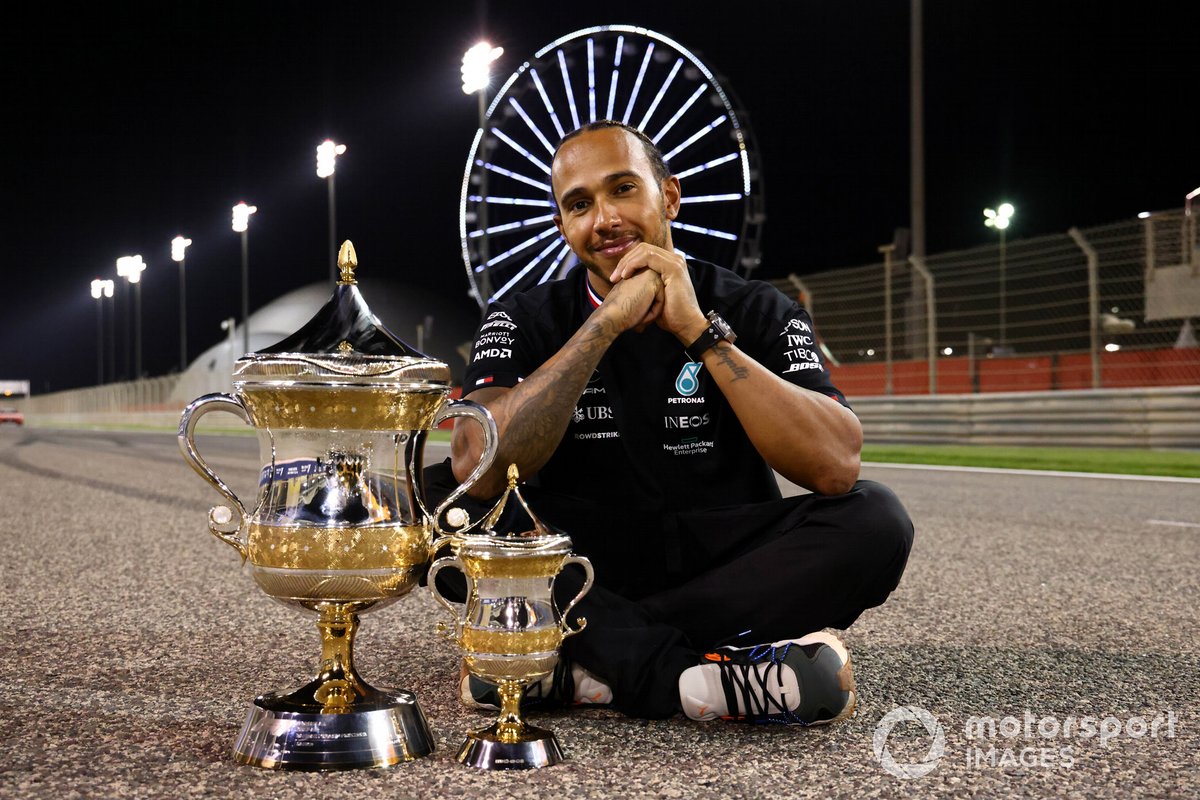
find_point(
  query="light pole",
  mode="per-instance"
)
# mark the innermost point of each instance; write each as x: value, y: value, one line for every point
x: 131, y: 268
x: 100, y: 290
x: 327, y: 153
x: 178, y: 245
x: 476, y: 75
x: 229, y: 325
x: 241, y: 224
x: 999, y: 219
x: 1189, y: 232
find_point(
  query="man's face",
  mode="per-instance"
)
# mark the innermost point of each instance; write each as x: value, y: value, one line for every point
x: 609, y: 200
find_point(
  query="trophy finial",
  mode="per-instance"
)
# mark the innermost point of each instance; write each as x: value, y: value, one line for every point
x: 347, y: 261
x: 513, y: 476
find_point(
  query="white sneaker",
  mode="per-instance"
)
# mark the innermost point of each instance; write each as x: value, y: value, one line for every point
x: 805, y: 681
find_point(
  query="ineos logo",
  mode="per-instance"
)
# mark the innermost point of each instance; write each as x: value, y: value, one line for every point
x: 686, y: 422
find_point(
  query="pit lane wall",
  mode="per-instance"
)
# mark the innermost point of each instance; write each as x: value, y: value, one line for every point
x: 1157, y: 417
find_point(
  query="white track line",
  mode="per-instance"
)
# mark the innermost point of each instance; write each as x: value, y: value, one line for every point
x: 1173, y: 524
x: 1035, y: 472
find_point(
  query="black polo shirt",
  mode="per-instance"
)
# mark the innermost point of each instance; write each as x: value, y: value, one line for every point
x: 652, y: 432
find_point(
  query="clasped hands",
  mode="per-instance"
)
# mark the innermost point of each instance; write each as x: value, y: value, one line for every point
x: 652, y: 285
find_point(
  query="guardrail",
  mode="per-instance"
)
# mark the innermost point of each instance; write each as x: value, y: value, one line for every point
x: 1167, y: 417
x: 1146, y: 418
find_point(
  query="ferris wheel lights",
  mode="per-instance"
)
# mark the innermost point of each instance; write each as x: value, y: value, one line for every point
x: 609, y: 72
x: 661, y: 94
x: 706, y: 231
x: 477, y: 66
x: 637, y: 84
x: 562, y: 65
x: 512, y: 101
x: 710, y: 198
x: 682, y: 110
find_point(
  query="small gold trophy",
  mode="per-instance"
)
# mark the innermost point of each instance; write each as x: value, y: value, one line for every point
x: 510, y: 629
x: 342, y: 409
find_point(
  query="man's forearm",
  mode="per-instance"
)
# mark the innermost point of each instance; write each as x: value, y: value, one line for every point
x: 808, y: 438
x: 532, y: 417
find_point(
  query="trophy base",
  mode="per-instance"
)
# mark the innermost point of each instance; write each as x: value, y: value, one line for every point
x: 384, y: 729
x: 536, y: 748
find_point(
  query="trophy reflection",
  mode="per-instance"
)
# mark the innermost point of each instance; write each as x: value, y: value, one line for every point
x: 341, y: 409
x: 510, y: 629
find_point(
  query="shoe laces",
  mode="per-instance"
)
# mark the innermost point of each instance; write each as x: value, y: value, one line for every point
x: 741, y: 677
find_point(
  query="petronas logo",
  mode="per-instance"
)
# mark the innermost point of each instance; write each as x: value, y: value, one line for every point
x: 688, y: 381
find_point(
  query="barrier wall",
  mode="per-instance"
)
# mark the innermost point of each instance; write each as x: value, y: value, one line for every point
x: 1041, y: 373
x: 1167, y: 417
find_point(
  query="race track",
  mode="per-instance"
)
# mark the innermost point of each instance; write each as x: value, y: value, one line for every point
x: 133, y: 643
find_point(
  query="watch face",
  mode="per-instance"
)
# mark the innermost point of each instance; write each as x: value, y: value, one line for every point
x: 722, y: 327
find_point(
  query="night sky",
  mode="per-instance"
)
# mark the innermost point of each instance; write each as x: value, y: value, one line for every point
x: 128, y: 123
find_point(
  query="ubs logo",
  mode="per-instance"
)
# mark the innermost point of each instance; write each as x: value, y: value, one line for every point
x: 593, y: 413
x: 688, y: 381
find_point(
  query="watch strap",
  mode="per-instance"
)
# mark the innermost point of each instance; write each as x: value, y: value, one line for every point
x: 717, y: 330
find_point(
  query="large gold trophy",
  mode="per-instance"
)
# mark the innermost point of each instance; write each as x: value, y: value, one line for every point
x: 510, y: 629
x: 341, y: 409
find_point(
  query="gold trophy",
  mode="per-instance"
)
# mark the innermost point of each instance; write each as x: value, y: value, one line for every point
x: 510, y: 629
x: 341, y: 409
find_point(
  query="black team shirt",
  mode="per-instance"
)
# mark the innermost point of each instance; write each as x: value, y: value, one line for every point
x: 652, y: 432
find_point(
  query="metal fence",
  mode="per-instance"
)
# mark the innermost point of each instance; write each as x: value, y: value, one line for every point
x: 1103, y: 307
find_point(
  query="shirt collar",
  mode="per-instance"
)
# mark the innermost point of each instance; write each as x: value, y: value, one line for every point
x: 593, y: 299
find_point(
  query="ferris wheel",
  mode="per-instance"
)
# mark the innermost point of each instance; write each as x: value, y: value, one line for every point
x: 620, y: 72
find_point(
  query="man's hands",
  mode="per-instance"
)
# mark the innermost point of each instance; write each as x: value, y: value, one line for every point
x: 674, y: 308
x: 634, y: 303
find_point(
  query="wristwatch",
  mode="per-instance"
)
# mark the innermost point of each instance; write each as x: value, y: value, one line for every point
x: 717, y: 330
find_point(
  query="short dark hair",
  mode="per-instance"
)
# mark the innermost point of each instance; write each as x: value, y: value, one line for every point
x: 658, y: 164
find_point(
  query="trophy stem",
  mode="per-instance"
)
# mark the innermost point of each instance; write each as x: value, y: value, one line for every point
x: 338, y: 683
x: 510, y: 727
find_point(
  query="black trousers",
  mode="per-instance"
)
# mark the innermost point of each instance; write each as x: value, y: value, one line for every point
x: 670, y: 587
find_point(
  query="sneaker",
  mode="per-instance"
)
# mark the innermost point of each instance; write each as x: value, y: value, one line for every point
x: 804, y: 681
x: 569, y: 684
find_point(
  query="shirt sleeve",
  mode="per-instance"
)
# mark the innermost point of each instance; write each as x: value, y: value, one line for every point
x: 781, y: 337
x: 500, y: 354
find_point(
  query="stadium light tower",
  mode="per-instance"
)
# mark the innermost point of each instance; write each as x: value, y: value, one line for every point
x: 999, y: 219
x: 100, y: 290
x: 477, y: 75
x: 327, y: 153
x: 241, y: 224
x: 131, y: 268
x: 178, y: 245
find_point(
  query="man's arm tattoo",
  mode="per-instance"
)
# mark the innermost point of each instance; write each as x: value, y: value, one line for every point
x: 725, y: 356
x: 539, y: 414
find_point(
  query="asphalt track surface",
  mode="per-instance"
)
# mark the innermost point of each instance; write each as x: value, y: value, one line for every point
x: 133, y: 643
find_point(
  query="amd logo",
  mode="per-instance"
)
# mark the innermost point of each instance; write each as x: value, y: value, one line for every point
x: 494, y: 352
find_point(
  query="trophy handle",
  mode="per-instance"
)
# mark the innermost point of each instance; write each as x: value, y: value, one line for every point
x: 430, y: 580
x: 225, y: 522
x: 587, y: 585
x: 466, y: 408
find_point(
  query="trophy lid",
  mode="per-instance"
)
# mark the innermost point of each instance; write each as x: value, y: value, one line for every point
x: 542, y: 539
x: 343, y: 343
